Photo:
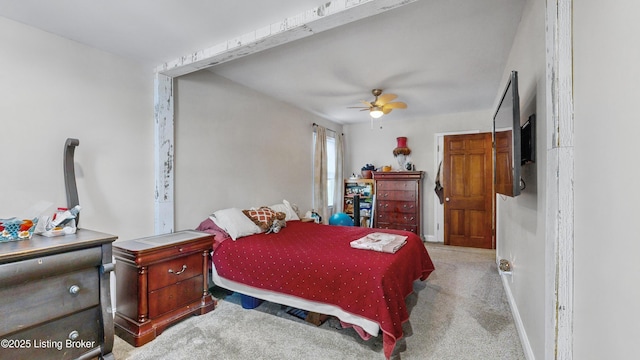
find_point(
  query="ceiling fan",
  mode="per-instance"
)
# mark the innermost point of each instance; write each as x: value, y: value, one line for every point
x: 382, y: 104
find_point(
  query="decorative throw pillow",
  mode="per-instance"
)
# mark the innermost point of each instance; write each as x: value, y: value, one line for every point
x: 263, y: 217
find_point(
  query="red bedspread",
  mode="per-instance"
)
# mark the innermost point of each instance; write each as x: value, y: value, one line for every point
x: 316, y: 262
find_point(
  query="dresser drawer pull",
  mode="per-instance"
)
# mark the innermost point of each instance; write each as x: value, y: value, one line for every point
x: 74, y: 289
x: 74, y: 335
x: 184, y: 267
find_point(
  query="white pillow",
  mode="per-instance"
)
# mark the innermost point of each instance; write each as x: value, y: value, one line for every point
x: 292, y: 211
x: 235, y: 223
x: 286, y: 208
x: 281, y: 208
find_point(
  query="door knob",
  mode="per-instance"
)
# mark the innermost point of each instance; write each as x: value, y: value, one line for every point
x: 447, y: 199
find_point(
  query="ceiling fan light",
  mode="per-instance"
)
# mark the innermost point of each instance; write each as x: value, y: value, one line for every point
x: 376, y: 112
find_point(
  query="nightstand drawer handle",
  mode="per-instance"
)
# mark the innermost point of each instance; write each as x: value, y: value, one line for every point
x: 74, y: 289
x: 184, y: 267
x: 74, y: 335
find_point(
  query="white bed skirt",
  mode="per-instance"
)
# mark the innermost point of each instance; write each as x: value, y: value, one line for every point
x: 367, y: 325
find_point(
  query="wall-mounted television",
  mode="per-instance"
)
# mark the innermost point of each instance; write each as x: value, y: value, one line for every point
x: 506, y: 140
x: 528, y: 141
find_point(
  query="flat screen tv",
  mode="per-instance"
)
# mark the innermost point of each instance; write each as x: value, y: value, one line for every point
x: 528, y: 139
x: 506, y: 140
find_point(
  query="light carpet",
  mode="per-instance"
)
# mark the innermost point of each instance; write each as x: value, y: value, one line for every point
x: 459, y: 312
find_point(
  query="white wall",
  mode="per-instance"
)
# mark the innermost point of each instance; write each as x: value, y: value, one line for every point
x: 607, y: 244
x: 52, y: 89
x: 238, y: 148
x: 520, y: 232
x: 366, y: 145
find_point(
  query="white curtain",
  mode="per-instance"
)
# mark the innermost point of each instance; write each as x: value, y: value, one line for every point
x: 320, y: 174
x: 337, y: 195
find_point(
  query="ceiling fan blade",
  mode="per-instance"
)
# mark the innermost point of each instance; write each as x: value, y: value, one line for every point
x: 366, y: 103
x: 386, y: 110
x: 385, y: 98
x: 395, y: 105
x: 358, y: 107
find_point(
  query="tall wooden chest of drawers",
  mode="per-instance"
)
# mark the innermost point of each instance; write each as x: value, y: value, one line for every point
x: 55, y: 297
x: 161, y: 280
x: 399, y: 200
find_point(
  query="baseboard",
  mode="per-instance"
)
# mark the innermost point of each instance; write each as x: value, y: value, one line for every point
x: 431, y: 238
x: 524, y: 340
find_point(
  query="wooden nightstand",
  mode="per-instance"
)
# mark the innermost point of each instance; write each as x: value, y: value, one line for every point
x: 160, y: 280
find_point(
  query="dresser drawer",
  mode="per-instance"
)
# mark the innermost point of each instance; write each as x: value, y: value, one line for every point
x: 396, y: 206
x: 172, y: 271
x: 397, y: 218
x: 397, y: 185
x: 397, y: 195
x: 20, y: 272
x: 53, y: 340
x: 394, y: 226
x: 48, y: 298
x: 172, y: 297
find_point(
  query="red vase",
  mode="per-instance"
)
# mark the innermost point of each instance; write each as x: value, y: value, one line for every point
x: 402, y: 142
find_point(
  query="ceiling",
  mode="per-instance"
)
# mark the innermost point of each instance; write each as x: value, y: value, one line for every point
x: 438, y: 56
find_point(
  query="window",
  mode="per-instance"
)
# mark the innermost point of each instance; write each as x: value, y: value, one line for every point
x: 331, y: 167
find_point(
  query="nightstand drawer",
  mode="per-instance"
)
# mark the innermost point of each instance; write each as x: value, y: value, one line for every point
x: 54, y: 340
x: 48, y: 298
x: 172, y: 297
x: 173, y: 271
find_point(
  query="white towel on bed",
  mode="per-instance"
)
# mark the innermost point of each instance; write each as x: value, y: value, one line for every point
x: 383, y: 242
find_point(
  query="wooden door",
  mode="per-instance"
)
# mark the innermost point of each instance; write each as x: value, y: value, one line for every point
x: 467, y: 181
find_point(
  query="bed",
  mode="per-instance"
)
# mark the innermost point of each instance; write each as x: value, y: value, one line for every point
x: 312, y: 267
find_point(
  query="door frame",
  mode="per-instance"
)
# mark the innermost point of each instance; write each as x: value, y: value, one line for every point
x: 438, y: 209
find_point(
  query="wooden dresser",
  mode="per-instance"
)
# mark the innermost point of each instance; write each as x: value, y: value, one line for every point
x: 399, y: 200
x: 161, y: 280
x: 55, y: 297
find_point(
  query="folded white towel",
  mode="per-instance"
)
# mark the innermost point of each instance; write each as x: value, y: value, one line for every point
x: 383, y: 242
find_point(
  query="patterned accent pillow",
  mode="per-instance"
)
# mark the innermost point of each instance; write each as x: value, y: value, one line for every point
x: 263, y: 217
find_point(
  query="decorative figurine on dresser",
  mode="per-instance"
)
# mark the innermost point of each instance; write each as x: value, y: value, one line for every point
x: 399, y: 200
x: 55, y: 297
x: 161, y: 280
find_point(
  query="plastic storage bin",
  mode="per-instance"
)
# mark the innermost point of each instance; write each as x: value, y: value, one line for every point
x: 249, y: 302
